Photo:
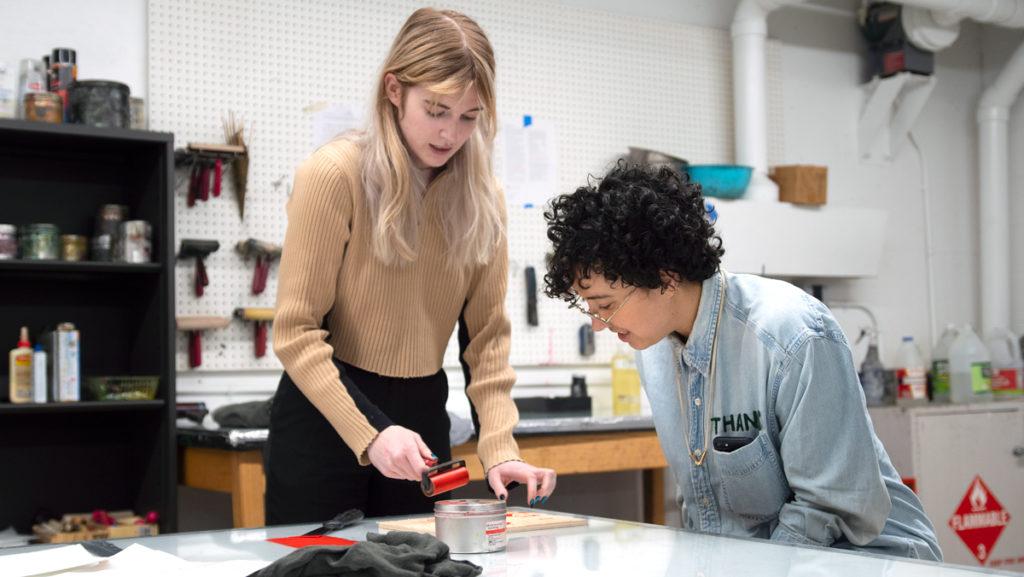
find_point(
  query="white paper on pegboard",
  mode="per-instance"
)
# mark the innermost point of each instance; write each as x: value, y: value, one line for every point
x: 603, y: 80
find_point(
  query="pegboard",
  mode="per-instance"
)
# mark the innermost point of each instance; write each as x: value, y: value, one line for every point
x: 603, y: 80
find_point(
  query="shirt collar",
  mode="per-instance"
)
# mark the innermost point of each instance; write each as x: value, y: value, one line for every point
x: 696, y: 351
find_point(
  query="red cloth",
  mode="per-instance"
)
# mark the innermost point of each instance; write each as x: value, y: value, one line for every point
x: 310, y: 541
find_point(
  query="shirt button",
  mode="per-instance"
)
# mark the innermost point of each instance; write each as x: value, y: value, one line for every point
x: 697, y: 401
x: 706, y: 502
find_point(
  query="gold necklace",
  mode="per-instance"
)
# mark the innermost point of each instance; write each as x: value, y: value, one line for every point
x: 698, y: 455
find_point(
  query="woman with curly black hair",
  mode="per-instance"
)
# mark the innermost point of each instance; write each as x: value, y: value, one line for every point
x: 752, y: 385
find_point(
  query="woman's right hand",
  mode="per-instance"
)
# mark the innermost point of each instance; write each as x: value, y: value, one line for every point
x: 399, y: 453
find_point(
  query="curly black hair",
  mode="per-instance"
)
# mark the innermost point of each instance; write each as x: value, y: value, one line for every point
x: 635, y: 224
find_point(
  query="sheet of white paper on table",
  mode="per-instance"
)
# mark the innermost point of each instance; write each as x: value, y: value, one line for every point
x: 46, y: 561
x: 140, y: 560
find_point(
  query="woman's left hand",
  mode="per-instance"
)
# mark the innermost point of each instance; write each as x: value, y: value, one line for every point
x: 540, y: 483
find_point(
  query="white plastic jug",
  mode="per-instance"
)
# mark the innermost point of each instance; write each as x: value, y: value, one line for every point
x: 970, y: 368
x: 940, y: 365
x: 1007, y: 366
x: 911, y: 375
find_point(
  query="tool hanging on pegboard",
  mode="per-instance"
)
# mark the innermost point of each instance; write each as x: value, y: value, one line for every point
x: 194, y: 326
x: 265, y: 253
x: 260, y: 316
x: 234, y: 135
x: 199, y: 250
x: 206, y: 164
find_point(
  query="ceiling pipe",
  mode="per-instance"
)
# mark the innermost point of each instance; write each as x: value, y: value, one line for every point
x: 994, y: 192
x: 750, y: 93
x: 934, y: 25
x: 1008, y: 13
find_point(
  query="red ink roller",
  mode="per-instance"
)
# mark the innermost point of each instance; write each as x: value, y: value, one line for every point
x: 444, y: 477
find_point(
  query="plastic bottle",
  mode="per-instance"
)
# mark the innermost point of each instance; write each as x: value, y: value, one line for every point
x: 30, y: 80
x: 21, y: 370
x: 940, y: 365
x: 625, y: 384
x: 7, y: 93
x: 970, y: 368
x: 1007, y: 367
x: 872, y: 375
x: 911, y: 375
x: 39, y: 377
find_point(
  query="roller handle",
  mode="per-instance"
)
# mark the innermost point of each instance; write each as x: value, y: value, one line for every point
x: 195, y: 348
x: 202, y: 280
x: 261, y: 339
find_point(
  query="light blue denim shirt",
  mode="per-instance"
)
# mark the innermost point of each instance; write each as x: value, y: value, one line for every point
x: 815, y: 473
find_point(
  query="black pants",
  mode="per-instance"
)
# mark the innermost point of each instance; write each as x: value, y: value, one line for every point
x: 312, y: 475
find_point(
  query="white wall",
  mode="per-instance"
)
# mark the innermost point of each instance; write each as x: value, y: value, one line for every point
x: 823, y: 67
x: 109, y: 36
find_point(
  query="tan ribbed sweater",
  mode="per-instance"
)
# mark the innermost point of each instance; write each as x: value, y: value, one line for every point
x: 392, y: 320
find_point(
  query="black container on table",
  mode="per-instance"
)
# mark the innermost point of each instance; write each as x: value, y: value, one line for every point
x: 102, y: 103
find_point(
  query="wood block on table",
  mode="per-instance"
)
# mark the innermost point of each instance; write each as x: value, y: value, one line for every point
x: 517, y: 522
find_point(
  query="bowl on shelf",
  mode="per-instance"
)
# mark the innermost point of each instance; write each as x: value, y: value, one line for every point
x: 721, y: 180
x: 122, y: 388
x: 655, y: 158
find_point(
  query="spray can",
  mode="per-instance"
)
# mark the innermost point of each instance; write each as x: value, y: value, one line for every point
x: 872, y: 373
x: 63, y: 73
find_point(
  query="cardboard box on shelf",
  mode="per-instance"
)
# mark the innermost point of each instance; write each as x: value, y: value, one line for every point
x: 801, y: 183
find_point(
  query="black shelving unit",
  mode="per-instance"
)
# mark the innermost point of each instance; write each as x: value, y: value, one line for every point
x: 61, y: 458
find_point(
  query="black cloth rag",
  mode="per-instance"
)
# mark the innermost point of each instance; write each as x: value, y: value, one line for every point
x: 395, y: 554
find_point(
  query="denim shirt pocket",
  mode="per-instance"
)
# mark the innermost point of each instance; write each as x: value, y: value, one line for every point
x: 753, y: 485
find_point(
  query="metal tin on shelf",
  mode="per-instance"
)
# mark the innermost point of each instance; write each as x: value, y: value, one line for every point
x: 102, y: 103
x: 73, y: 247
x: 39, y: 241
x: 8, y: 241
x: 471, y: 525
x: 108, y: 221
x: 44, y: 107
x: 102, y: 248
x: 133, y: 241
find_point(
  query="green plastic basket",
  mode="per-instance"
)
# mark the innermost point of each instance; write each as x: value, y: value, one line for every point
x: 122, y: 388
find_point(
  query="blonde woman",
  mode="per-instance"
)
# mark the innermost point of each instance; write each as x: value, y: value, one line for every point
x: 393, y: 236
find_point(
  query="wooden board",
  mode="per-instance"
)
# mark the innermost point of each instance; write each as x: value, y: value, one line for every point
x: 518, y: 522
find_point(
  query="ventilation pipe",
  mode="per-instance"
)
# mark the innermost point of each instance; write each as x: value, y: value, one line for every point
x: 750, y: 93
x: 994, y: 191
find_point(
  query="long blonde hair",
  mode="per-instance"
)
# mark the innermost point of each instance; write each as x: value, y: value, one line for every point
x: 445, y: 52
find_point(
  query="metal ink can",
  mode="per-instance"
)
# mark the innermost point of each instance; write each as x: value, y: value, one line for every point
x: 73, y: 247
x: 471, y: 525
x: 133, y: 242
x: 8, y: 241
x: 101, y: 103
x: 43, y: 107
x: 108, y: 221
x: 40, y: 241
